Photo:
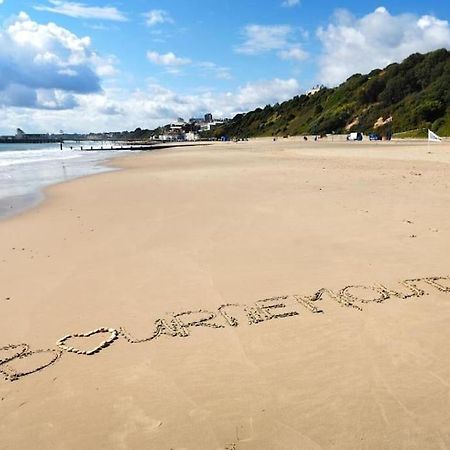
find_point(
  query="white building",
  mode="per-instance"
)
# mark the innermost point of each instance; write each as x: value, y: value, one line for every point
x: 191, y: 136
x: 208, y: 126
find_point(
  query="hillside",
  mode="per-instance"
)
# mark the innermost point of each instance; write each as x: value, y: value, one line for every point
x: 412, y: 95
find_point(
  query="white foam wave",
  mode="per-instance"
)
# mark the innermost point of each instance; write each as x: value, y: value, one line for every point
x: 5, y: 162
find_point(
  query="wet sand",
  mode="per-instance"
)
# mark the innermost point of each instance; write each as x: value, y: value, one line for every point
x: 179, y: 302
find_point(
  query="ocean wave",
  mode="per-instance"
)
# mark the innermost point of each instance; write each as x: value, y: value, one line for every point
x: 6, y: 162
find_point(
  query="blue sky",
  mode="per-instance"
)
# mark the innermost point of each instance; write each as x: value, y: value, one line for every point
x: 111, y: 65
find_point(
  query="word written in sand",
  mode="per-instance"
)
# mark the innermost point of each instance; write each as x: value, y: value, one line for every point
x: 228, y: 315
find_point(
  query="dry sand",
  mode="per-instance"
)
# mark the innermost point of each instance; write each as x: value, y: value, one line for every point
x: 196, y: 228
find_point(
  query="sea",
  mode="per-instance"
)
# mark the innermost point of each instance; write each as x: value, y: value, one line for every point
x: 25, y: 169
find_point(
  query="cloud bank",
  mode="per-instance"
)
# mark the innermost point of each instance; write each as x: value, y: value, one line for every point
x: 352, y: 45
x: 154, y: 105
x: 44, y: 66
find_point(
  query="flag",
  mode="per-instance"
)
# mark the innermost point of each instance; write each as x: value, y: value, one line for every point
x: 433, y: 137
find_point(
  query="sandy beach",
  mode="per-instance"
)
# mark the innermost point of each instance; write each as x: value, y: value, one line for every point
x: 251, y: 295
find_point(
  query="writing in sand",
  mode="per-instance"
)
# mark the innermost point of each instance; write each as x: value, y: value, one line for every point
x: 179, y: 325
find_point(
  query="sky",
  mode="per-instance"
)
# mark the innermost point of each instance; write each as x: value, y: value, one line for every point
x: 112, y: 65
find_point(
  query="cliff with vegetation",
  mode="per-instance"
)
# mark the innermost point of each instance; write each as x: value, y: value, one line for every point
x: 411, y: 96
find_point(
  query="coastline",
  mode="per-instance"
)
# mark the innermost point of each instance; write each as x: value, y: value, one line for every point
x: 176, y: 236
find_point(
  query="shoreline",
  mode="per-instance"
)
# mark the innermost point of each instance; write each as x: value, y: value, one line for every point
x: 12, y: 206
x: 19, y: 204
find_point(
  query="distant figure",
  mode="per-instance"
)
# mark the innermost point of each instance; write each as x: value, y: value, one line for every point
x: 315, y: 138
x: 305, y: 138
x: 60, y: 145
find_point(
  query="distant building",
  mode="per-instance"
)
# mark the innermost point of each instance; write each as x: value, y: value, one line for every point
x: 315, y: 89
x: 208, y: 126
x: 176, y: 127
x: 189, y: 131
x: 167, y: 137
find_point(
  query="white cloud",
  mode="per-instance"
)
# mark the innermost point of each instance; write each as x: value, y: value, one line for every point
x: 158, y: 105
x: 43, y: 66
x: 80, y: 10
x: 105, y: 66
x: 263, y: 92
x: 264, y: 38
x: 173, y: 64
x: 167, y: 59
x: 157, y: 17
x: 354, y: 45
x: 261, y: 39
x: 294, y: 54
x: 290, y: 3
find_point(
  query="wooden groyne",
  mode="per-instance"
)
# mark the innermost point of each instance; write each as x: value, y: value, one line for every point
x: 143, y: 147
